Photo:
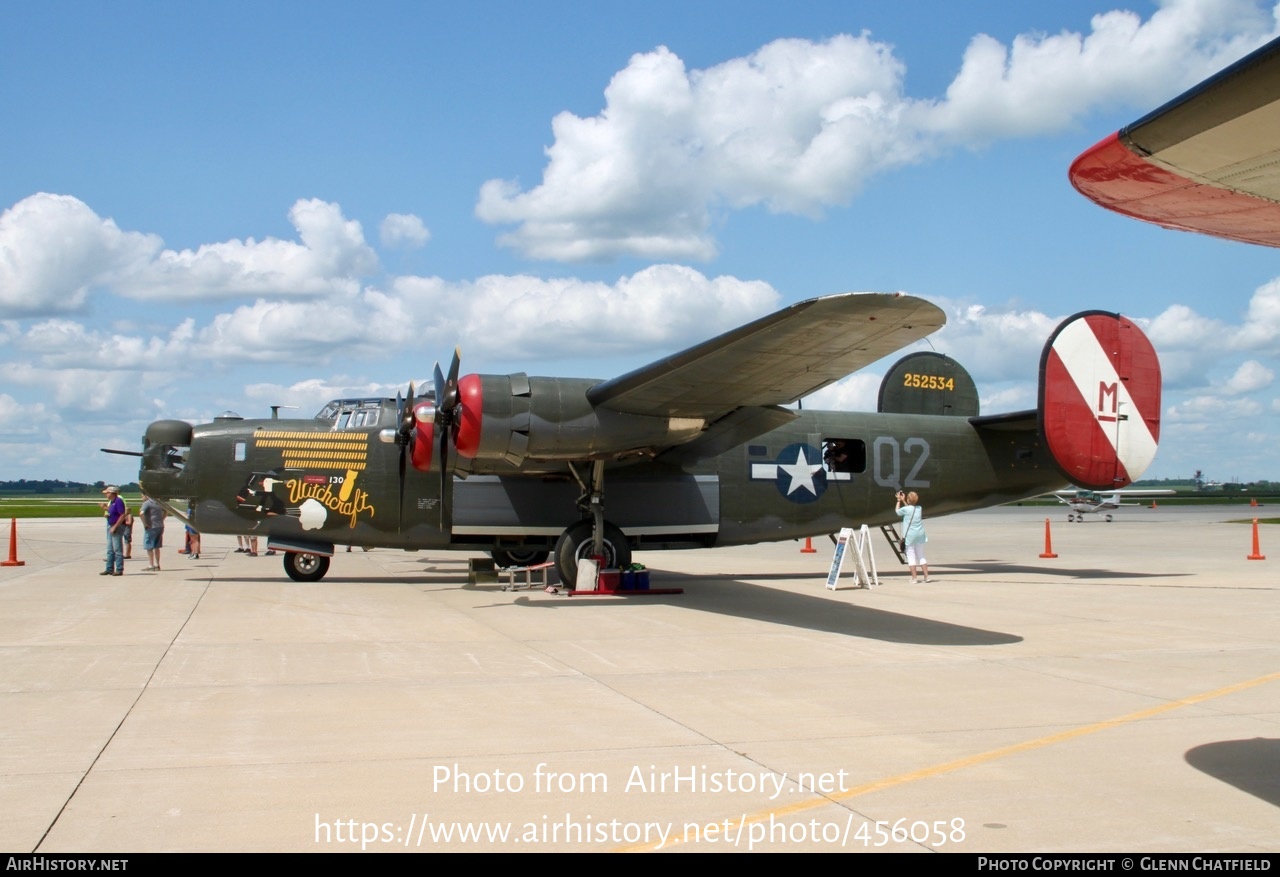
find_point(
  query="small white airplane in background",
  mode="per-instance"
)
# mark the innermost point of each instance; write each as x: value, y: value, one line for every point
x: 1083, y: 502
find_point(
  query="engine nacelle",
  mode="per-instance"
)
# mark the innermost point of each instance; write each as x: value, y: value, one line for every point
x: 516, y: 417
x: 423, y: 436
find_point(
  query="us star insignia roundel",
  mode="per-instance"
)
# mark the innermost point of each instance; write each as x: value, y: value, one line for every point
x: 798, y: 473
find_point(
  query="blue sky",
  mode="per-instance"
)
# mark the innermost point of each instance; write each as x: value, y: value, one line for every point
x: 229, y: 206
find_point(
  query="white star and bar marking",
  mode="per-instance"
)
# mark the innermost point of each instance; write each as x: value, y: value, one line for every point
x: 793, y: 472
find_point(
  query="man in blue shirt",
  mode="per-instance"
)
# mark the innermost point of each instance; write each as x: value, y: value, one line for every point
x: 115, y: 532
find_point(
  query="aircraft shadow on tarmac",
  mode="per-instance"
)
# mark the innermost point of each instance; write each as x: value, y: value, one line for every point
x: 1251, y: 766
x: 724, y: 594
x: 429, y: 571
x: 999, y: 567
x: 730, y: 596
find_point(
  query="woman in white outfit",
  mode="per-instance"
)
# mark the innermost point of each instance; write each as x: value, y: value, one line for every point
x: 908, y: 508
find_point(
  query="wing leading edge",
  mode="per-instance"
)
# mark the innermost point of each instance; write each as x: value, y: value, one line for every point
x: 774, y: 360
x: 1207, y: 161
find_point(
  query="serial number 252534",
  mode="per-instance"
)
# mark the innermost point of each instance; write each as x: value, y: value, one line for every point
x: 928, y: 382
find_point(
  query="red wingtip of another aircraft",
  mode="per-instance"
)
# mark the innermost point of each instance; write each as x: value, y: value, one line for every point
x: 1206, y: 161
x: 1115, y: 177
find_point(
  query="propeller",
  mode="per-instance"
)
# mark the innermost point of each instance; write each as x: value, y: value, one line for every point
x: 404, y: 435
x: 447, y: 418
x: 404, y: 412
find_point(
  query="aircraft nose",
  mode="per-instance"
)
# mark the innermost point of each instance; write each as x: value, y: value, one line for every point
x: 166, y: 446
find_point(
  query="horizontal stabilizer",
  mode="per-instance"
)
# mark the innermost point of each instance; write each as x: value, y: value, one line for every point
x: 1014, y: 421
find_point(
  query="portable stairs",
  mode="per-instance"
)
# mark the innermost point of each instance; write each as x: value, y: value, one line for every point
x: 895, y: 542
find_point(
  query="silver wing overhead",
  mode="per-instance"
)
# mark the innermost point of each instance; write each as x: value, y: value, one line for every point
x: 774, y: 360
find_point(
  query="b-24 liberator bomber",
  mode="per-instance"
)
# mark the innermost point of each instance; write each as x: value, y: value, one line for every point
x: 694, y: 450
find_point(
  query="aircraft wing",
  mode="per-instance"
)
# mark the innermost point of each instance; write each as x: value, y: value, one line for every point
x: 1207, y: 161
x: 1108, y: 495
x: 774, y: 360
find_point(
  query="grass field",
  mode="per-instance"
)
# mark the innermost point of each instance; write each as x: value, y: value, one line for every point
x: 59, y: 506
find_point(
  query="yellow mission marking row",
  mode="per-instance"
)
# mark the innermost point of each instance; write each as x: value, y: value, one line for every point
x: 306, y: 449
x: 323, y: 455
x: 323, y: 463
x: 310, y: 443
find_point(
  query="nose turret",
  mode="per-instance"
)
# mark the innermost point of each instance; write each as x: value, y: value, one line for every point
x: 165, y: 447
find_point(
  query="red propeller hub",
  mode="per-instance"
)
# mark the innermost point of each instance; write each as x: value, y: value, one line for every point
x: 423, y: 441
x: 471, y: 401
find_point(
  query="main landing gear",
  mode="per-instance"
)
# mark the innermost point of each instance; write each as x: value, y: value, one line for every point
x: 303, y: 567
x: 593, y: 536
x: 577, y: 543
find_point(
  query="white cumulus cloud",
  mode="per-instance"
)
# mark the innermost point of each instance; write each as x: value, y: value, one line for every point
x: 1250, y: 377
x: 403, y: 230
x: 54, y: 251
x: 19, y: 421
x: 661, y: 308
x: 801, y: 125
x: 1211, y: 409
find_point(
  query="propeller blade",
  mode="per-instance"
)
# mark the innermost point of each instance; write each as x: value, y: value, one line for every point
x: 403, y: 447
x: 404, y: 435
x: 451, y: 385
x: 448, y: 415
x: 404, y: 412
x: 444, y: 477
x: 439, y: 379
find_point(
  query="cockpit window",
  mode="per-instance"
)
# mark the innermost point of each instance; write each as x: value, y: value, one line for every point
x: 352, y: 413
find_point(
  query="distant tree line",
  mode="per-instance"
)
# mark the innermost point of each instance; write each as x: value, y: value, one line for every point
x: 1262, y: 486
x: 55, y: 487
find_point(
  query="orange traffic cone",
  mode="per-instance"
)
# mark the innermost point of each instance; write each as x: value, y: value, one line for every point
x: 808, y: 546
x: 1048, y: 542
x: 13, y: 546
x: 1257, y: 552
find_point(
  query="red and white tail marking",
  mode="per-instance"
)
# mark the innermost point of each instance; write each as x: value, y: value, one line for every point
x: 1100, y: 400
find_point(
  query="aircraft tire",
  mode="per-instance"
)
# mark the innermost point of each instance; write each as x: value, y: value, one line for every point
x: 1108, y: 519
x: 302, y: 567
x: 1071, y: 519
x: 519, y: 556
x: 575, y: 543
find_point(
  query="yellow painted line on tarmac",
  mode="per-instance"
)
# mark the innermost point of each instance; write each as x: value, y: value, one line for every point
x: 727, y: 827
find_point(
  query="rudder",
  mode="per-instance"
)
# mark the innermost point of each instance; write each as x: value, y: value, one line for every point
x: 1100, y: 400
